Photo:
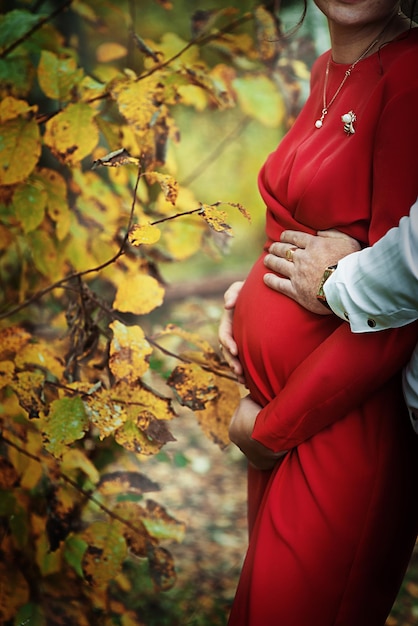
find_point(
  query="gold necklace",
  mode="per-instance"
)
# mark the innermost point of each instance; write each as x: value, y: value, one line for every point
x: 319, y: 122
x: 325, y: 107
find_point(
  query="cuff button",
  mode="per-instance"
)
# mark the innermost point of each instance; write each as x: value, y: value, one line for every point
x: 371, y: 323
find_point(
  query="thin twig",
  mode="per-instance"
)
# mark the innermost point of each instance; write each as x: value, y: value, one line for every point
x: 34, y: 28
x: 92, y: 270
x: 70, y: 481
x: 207, y: 368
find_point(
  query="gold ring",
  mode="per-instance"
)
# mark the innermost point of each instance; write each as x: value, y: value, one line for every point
x: 289, y: 254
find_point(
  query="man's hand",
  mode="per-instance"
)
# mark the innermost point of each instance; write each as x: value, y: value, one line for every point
x: 240, y: 431
x: 311, y: 255
x: 226, y: 339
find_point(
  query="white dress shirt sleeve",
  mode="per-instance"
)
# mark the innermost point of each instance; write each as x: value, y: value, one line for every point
x: 377, y: 288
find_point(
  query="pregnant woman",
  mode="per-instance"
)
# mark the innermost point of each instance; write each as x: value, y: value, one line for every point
x: 332, y: 484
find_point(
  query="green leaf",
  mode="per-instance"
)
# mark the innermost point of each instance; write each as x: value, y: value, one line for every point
x: 66, y: 422
x: 16, y: 75
x: 57, y: 77
x: 11, y: 508
x: 29, y: 201
x: 161, y: 525
x: 14, y: 25
x: 30, y: 614
x: 20, y: 149
x: 73, y: 553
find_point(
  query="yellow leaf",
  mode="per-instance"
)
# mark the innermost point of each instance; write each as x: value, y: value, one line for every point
x: 28, y: 388
x: 171, y: 44
x: 7, y: 369
x: 89, y: 88
x: 72, y: 134
x: 146, y: 233
x: 110, y: 51
x: 214, y: 418
x: 193, y: 385
x: 41, y: 355
x: 261, y: 99
x: 136, y: 534
x: 74, y: 459
x: 115, y: 483
x: 168, y: 184
x: 191, y: 95
x: 12, y: 339
x: 49, y: 563
x: 29, y: 468
x: 29, y: 202
x: 194, y: 338
x: 128, y: 352
x: 144, y: 434
x: 138, y: 294
x: 138, y: 101
x: 139, y: 395
x: 12, y: 107
x: 106, y: 551
x: 20, y: 148
x: 106, y: 413
x: 215, y: 218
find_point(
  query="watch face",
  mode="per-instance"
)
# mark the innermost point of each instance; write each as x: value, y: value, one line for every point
x: 320, y: 293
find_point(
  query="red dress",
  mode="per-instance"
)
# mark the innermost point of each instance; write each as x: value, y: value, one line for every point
x: 333, y: 526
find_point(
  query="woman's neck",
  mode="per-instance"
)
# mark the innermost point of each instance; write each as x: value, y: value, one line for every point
x: 348, y: 44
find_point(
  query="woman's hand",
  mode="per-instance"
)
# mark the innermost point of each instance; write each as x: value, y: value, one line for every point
x: 226, y: 339
x: 240, y: 433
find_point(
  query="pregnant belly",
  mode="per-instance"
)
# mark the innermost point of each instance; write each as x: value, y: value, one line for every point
x: 274, y: 334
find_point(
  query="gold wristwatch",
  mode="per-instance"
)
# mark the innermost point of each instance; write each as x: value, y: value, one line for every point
x: 320, y: 294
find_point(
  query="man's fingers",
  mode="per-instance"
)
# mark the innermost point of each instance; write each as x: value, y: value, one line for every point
x: 278, y: 264
x: 282, y: 285
x: 296, y: 238
x: 336, y: 234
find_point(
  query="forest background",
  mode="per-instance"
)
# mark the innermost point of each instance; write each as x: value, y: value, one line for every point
x: 131, y: 134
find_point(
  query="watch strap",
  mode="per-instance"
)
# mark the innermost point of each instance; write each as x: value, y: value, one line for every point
x: 320, y: 294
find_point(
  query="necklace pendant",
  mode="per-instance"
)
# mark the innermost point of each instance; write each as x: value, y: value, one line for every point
x: 348, y: 120
x: 320, y: 121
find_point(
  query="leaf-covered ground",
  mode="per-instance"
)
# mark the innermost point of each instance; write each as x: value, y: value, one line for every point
x: 209, y: 494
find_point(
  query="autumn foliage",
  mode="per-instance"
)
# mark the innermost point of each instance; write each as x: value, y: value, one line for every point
x: 87, y: 206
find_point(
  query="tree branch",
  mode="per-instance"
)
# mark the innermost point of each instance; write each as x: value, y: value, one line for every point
x: 35, y: 27
x: 92, y: 270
